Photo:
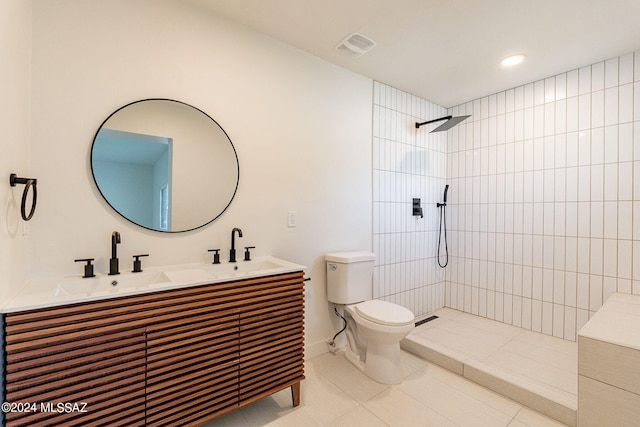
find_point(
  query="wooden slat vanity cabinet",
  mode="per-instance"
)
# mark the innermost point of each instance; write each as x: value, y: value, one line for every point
x: 176, y: 357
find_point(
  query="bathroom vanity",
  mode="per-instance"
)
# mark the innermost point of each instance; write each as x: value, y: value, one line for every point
x: 181, y: 352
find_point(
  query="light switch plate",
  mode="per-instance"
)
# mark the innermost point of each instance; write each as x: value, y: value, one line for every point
x: 292, y: 219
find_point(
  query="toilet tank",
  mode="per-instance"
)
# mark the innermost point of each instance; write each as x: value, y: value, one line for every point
x: 349, y: 277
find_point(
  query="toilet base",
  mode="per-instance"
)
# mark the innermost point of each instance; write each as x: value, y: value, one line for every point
x: 354, y: 359
x: 382, y: 362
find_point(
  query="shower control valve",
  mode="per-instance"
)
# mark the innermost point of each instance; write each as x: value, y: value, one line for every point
x: 417, y: 210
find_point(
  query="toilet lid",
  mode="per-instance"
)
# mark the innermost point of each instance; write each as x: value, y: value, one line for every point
x: 385, y: 313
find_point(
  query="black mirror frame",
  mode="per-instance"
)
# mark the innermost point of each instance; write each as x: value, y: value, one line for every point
x: 235, y: 190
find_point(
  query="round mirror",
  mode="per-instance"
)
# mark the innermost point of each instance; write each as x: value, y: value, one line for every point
x: 164, y: 165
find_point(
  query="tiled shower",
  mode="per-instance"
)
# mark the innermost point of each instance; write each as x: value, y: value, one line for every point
x: 407, y: 163
x: 543, y: 212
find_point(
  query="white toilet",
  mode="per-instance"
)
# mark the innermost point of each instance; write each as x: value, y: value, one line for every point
x: 374, y: 327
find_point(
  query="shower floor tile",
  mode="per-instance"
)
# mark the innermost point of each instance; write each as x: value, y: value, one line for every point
x: 536, y: 370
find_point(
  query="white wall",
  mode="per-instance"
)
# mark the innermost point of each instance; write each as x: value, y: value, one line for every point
x: 301, y: 127
x: 15, y: 73
x: 545, y: 198
x: 407, y: 163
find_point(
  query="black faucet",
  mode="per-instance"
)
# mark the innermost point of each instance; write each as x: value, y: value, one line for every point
x: 113, y: 262
x: 232, y: 252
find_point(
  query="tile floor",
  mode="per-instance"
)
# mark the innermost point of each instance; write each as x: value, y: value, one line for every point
x: 335, y: 393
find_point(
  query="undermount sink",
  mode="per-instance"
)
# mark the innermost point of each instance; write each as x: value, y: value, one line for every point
x: 225, y: 270
x: 116, y: 283
x: 171, y: 276
x: 242, y: 267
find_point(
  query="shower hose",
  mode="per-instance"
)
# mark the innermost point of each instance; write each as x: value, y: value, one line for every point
x: 443, y: 228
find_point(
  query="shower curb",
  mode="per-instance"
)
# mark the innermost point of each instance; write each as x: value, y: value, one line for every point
x: 560, y: 406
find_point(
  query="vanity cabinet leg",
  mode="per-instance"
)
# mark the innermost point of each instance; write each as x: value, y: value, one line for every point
x: 295, y: 394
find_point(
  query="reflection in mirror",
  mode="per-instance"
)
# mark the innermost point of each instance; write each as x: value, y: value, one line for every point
x: 134, y: 172
x: 164, y: 165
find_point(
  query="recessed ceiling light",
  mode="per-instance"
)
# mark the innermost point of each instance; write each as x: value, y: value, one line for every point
x: 512, y: 60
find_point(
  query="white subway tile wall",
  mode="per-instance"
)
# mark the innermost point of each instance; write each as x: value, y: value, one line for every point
x: 544, y: 198
x: 543, y: 211
x: 407, y: 163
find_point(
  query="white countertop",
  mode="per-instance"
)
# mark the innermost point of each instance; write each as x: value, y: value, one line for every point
x: 54, y: 291
x: 616, y: 322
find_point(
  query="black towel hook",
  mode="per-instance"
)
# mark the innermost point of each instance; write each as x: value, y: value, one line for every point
x: 28, y: 182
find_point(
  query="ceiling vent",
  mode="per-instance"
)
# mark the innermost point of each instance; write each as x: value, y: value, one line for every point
x: 356, y: 43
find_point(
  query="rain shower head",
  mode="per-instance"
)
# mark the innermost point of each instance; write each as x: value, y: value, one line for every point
x: 450, y: 122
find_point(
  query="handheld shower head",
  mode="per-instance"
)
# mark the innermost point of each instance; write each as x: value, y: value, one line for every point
x: 444, y: 198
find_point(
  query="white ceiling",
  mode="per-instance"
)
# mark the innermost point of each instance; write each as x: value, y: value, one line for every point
x: 448, y: 51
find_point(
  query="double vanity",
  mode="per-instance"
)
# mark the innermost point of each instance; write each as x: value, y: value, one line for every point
x: 168, y: 346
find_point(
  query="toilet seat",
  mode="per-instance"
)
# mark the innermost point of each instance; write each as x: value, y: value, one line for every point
x: 384, y: 313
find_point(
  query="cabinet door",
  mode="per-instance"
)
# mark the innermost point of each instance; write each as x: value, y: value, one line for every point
x: 2, y: 366
x: 271, y: 336
x: 73, y: 374
x: 192, y: 368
